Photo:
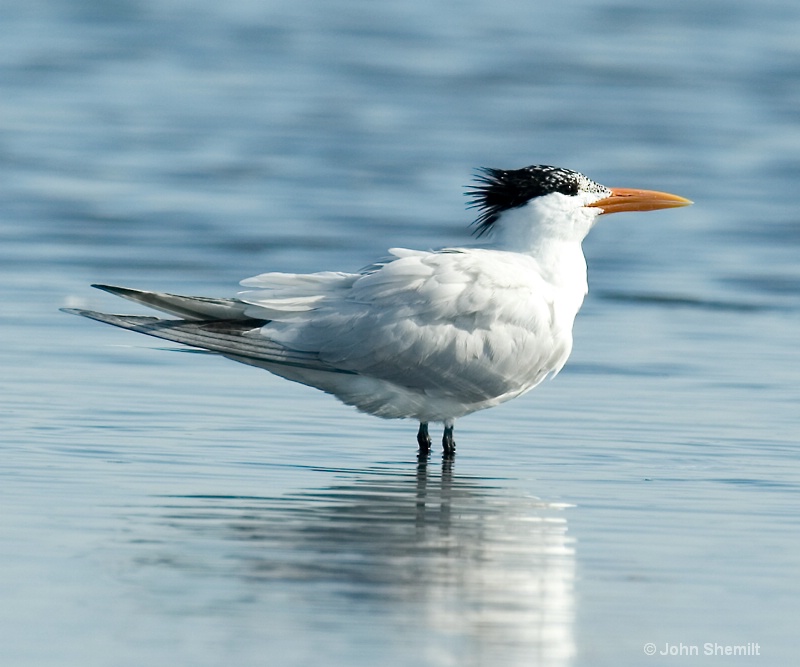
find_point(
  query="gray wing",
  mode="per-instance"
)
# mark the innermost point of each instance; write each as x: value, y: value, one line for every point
x: 188, y: 307
x: 238, y: 339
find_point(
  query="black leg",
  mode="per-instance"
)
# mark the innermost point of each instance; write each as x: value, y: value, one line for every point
x: 448, y: 444
x: 423, y: 439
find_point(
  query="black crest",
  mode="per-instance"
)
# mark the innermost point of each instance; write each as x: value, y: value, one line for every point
x: 499, y: 190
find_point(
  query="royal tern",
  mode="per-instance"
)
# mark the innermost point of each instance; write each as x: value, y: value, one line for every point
x: 426, y: 335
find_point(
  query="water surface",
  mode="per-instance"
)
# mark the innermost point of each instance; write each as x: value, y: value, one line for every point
x: 169, y: 508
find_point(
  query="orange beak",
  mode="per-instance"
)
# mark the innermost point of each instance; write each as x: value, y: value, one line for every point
x: 625, y: 199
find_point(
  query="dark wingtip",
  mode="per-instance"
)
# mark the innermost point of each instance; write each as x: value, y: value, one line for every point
x: 84, y: 312
x: 112, y: 289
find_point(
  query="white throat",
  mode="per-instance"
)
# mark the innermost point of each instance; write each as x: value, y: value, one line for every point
x: 551, y: 230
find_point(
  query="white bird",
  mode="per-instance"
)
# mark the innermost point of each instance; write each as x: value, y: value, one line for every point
x: 426, y: 335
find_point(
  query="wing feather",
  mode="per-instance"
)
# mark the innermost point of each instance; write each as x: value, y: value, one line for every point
x: 190, y: 307
x: 236, y: 338
x: 470, y: 324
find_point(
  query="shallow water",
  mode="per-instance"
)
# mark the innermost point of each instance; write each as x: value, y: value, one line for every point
x: 171, y: 508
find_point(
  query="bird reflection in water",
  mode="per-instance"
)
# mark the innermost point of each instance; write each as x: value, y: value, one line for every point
x: 480, y: 573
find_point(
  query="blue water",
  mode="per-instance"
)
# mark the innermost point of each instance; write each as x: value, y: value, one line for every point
x: 166, y: 508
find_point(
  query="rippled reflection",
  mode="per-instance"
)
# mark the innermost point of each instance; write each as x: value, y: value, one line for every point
x: 470, y: 573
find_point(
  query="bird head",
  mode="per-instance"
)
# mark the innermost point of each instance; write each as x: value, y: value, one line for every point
x: 541, y: 201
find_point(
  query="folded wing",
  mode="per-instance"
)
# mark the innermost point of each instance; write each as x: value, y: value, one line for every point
x: 468, y: 323
x: 238, y: 339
